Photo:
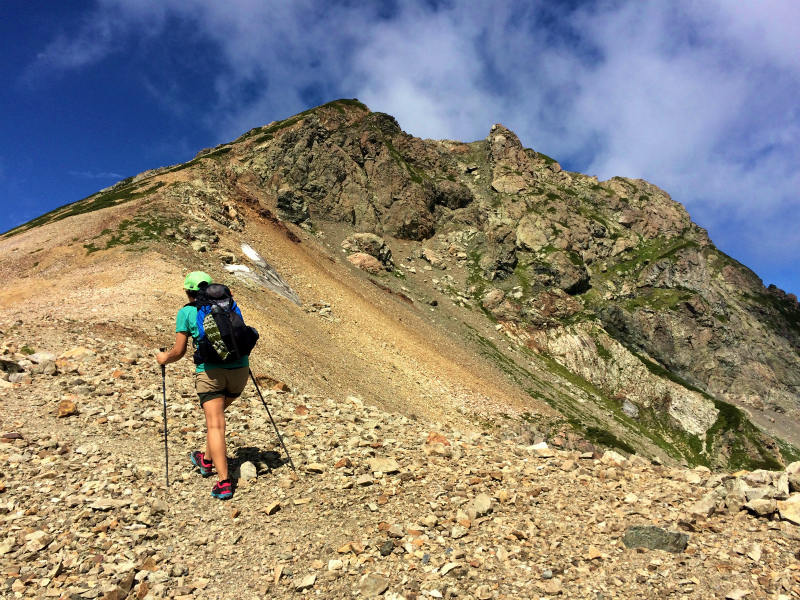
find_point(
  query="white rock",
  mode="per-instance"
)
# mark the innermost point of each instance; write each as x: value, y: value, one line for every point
x: 705, y: 506
x: 335, y: 564
x: 755, y: 552
x: 248, y: 471
x: 614, y: 458
x: 41, y: 357
x: 7, y: 545
x: 306, y: 583
x: 383, y: 465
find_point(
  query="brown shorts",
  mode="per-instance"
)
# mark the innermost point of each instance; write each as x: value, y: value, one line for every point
x: 218, y: 383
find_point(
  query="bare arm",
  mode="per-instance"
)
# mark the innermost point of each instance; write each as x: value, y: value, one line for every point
x: 176, y: 352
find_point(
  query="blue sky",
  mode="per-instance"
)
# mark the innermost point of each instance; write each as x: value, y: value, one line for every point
x: 702, y: 99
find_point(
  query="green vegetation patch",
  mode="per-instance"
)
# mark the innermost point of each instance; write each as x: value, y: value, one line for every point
x: 746, y: 450
x: 790, y: 453
x: 606, y: 438
x: 658, y: 299
x: 27, y: 350
x: 657, y: 425
x: 131, y: 232
x: 599, y: 188
x: 779, y: 310
x: 602, y: 351
x: 569, y: 191
x: 123, y: 192
x: 574, y: 258
x: 547, y: 160
x: 268, y: 137
x: 650, y: 251
x: 660, y: 371
x: 416, y: 175
x: 593, y: 216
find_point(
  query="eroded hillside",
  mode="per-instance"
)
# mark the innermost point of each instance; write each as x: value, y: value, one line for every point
x: 471, y: 281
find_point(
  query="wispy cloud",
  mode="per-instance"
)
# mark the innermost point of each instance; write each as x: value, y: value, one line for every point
x: 95, y: 175
x: 105, y: 30
x: 701, y: 99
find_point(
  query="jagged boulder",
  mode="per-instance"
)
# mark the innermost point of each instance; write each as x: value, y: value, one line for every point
x: 292, y: 206
x: 500, y: 257
x: 548, y: 308
x: 409, y: 219
x: 371, y: 244
x: 366, y: 262
x: 512, y: 167
x: 565, y: 273
x: 532, y: 233
x: 452, y: 195
x: 499, y: 306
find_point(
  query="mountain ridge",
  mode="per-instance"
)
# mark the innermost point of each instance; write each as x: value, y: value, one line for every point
x: 613, y: 306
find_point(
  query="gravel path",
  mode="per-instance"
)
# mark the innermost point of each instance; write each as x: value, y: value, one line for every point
x: 380, y: 504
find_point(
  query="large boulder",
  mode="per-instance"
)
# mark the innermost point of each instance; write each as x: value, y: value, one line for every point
x: 532, y: 232
x: 292, y: 206
x: 365, y: 262
x: 566, y: 273
x: 499, y: 306
x: 369, y: 243
x: 452, y: 195
x: 655, y: 538
x: 409, y: 220
x: 550, y: 307
x: 793, y: 473
x: 500, y: 258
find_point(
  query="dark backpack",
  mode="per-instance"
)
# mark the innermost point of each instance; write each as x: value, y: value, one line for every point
x: 224, y: 337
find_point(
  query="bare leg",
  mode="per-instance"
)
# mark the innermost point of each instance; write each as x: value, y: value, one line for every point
x: 215, y: 434
x: 207, y: 451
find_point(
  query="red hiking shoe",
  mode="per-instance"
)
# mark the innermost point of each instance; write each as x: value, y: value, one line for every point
x: 222, y: 490
x: 199, y: 461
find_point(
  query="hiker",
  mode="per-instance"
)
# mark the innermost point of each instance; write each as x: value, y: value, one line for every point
x: 217, y: 385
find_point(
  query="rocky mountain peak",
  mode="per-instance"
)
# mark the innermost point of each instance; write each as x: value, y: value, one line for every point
x: 599, y: 301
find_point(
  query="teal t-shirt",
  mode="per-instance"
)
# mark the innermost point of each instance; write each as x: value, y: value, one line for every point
x: 187, y: 322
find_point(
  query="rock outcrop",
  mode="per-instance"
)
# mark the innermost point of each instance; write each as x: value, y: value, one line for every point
x: 611, y: 301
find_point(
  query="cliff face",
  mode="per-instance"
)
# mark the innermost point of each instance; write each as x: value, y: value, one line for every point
x: 612, y: 305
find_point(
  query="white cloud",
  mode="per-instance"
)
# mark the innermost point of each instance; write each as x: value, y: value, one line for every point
x: 101, y: 33
x: 95, y: 175
x: 699, y: 98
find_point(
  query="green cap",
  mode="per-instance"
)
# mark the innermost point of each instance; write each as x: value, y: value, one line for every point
x: 194, y: 279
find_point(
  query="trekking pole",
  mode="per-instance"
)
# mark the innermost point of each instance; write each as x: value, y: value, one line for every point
x: 166, y: 447
x: 273, y: 421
